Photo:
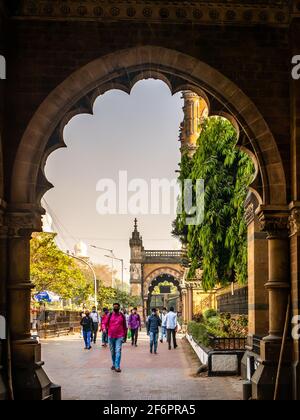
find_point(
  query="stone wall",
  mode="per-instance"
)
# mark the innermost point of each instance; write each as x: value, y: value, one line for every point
x: 236, y: 303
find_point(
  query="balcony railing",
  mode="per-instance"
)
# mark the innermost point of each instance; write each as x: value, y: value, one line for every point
x: 163, y: 254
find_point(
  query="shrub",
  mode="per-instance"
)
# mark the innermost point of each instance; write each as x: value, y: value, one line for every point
x: 220, y: 325
x: 199, y: 332
x: 210, y: 313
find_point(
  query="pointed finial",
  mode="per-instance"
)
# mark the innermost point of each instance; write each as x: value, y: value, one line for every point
x: 135, y: 224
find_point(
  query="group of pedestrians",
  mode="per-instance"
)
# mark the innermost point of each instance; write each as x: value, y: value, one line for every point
x: 116, y: 324
x: 169, y: 325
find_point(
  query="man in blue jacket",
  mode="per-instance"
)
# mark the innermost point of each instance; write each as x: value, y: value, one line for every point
x: 154, y: 322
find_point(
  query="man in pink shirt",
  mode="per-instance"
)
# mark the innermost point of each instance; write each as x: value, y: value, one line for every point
x: 117, y: 331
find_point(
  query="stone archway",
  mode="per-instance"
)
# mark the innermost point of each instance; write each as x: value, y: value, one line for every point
x: 44, y: 134
x: 158, y: 280
x: 121, y: 70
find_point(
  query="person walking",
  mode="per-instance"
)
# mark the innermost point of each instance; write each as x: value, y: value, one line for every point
x: 163, y: 318
x: 117, y: 331
x: 134, y: 323
x: 96, y: 321
x: 87, y: 328
x: 153, y: 325
x: 104, y: 320
x: 171, y: 325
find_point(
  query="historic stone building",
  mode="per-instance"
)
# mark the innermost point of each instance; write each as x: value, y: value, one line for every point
x: 237, y: 55
x: 149, y: 268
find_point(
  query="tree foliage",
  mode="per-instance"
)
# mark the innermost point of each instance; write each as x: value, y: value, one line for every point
x: 219, y: 244
x: 107, y: 296
x: 51, y: 269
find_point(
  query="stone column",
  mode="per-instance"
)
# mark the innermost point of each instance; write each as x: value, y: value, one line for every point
x: 3, y: 304
x: 295, y: 194
x: 258, y: 306
x: 190, y: 303
x: 29, y: 379
x: 295, y: 293
x: 274, y: 221
x: 184, y: 303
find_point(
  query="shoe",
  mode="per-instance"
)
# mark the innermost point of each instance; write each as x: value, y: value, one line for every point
x: 113, y: 368
x: 118, y: 370
x: 155, y: 352
x: 151, y: 351
x: 170, y: 348
x: 136, y: 345
x: 89, y: 348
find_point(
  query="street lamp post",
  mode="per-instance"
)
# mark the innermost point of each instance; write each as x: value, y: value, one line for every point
x: 92, y: 270
x: 112, y: 261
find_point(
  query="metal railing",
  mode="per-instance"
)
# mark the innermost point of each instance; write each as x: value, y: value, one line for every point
x: 228, y: 343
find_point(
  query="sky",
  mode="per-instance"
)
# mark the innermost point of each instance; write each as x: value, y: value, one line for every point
x: 137, y: 133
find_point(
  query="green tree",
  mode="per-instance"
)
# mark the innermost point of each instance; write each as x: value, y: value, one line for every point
x: 51, y: 269
x: 219, y: 244
x: 107, y: 296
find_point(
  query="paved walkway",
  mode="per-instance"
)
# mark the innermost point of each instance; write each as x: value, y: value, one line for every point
x: 170, y: 375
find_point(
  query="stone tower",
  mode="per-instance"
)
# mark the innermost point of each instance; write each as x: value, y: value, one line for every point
x: 136, y: 257
x: 194, y: 110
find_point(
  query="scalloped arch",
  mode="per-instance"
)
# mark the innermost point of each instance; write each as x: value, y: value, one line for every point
x: 119, y: 70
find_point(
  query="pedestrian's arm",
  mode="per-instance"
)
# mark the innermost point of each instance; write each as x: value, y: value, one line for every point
x: 148, y: 325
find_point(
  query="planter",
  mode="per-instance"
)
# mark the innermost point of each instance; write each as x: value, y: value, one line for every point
x: 219, y: 362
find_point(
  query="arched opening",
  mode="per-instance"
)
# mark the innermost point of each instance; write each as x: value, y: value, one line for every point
x: 121, y: 70
x: 77, y: 94
x: 165, y: 297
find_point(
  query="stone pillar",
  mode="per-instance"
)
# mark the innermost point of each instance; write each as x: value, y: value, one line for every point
x: 274, y: 221
x: 184, y: 305
x: 258, y: 306
x: 295, y: 193
x: 295, y: 294
x: 3, y: 304
x: 190, y: 302
x: 30, y: 381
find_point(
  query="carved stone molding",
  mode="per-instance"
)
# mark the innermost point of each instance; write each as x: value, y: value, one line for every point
x: 23, y: 223
x: 231, y: 12
x: 275, y: 223
x: 294, y: 221
x: 249, y: 214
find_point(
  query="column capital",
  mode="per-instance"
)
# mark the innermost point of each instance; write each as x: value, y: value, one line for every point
x: 23, y: 223
x: 274, y: 220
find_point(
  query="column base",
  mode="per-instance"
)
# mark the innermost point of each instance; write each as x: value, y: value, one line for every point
x: 30, y: 381
x: 264, y: 378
